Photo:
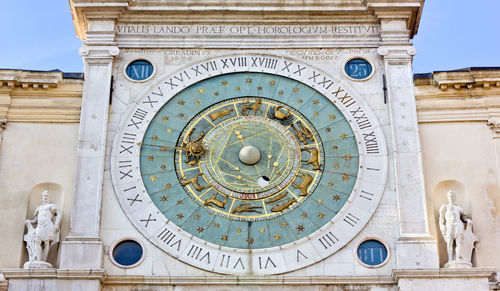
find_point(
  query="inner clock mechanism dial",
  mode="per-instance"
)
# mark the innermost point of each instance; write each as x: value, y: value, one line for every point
x: 260, y: 162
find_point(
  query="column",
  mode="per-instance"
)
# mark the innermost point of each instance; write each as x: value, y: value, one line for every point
x: 82, y: 249
x: 415, y: 247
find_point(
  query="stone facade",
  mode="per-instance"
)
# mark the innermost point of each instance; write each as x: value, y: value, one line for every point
x: 440, y: 128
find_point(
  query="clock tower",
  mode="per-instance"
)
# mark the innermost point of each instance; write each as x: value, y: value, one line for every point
x: 224, y: 141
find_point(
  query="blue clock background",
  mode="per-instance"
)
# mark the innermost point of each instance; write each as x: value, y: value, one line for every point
x: 163, y: 169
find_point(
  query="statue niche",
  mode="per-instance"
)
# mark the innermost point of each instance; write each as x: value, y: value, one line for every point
x: 43, y: 232
x: 460, y: 240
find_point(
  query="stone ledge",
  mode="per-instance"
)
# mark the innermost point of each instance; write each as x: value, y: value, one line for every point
x: 442, y: 273
x: 54, y: 274
x: 246, y: 280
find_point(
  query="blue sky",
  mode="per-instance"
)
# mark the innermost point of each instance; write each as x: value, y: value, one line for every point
x: 39, y: 35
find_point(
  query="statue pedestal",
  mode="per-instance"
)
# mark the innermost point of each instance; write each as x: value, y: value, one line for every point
x: 37, y: 265
x: 458, y: 264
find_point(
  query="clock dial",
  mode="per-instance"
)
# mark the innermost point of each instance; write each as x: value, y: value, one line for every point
x: 244, y: 163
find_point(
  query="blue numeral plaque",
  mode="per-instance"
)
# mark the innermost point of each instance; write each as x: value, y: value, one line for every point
x: 139, y: 70
x: 358, y: 69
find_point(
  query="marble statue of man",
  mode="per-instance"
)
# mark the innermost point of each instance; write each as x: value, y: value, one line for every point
x: 460, y: 240
x: 43, y: 231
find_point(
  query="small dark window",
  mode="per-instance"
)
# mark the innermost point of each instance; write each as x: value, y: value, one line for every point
x: 372, y: 252
x: 139, y: 70
x: 127, y: 253
x: 358, y: 69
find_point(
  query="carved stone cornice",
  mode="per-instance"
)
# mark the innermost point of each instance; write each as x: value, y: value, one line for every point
x: 27, y: 96
x: 29, y: 79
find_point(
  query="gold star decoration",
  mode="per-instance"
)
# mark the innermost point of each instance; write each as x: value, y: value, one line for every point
x: 168, y: 185
x: 320, y: 215
x: 216, y: 225
x: 238, y: 230
x: 151, y: 158
x: 348, y: 157
x: 316, y: 102
x: 201, y: 90
x: 280, y: 92
x: 272, y: 83
x: 330, y: 184
x: 343, y: 136
x: 180, y: 215
x: 336, y: 166
x: 250, y: 240
x: 262, y: 229
x: 153, y: 178
x: 200, y: 229
x: 163, y: 167
x: 165, y: 118
x: 216, y: 93
x: 164, y: 198
x: 336, y: 197
x: 154, y: 138
x: 197, y: 102
x: 332, y: 116
x: 328, y: 129
x: 276, y: 237
x: 345, y: 177
x: 335, y: 147
x: 181, y: 102
x: 316, y: 113
x: 181, y: 115
x: 283, y: 224
x: 179, y: 202
x: 300, y: 227
x: 299, y: 101
x: 223, y: 83
x: 224, y: 237
x: 169, y: 130
x: 249, y: 80
x: 295, y: 89
x: 304, y: 214
x: 259, y: 88
x: 320, y: 201
x: 196, y: 216
x: 237, y: 88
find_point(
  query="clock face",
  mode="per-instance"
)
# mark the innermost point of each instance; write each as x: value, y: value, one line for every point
x: 249, y: 170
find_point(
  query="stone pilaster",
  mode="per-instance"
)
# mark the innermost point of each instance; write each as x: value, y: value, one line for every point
x: 415, y: 247
x: 82, y: 249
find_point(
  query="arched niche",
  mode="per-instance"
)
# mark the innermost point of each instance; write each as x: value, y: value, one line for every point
x: 34, y: 200
x: 439, y: 197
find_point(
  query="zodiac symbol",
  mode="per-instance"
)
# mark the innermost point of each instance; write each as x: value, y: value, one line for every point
x: 220, y: 113
x: 313, y: 158
x: 213, y: 200
x: 245, y: 207
x: 279, y: 114
x: 284, y: 205
x: 306, y: 181
x: 194, y: 149
x: 275, y: 199
x: 194, y: 182
x: 252, y: 107
x: 303, y: 134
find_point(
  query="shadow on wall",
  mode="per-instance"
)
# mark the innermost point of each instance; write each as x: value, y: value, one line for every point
x: 439, y: 198
x: 35, y: 199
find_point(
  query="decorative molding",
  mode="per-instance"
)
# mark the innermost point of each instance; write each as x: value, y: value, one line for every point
x: 30, y: 79
x: 247, y: 280
x: 59, y: 274
x: 39, y: 97
x: 451, y: 273
x: 98, y: 55
x: 396, y: 55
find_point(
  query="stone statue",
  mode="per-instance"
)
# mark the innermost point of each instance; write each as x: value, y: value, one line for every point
x: 43, y: 231
x: 460, y: 240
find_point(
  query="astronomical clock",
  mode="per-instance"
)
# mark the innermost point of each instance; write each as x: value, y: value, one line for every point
x: 249, y: 164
